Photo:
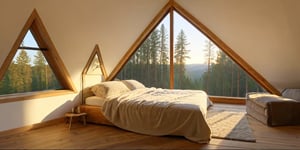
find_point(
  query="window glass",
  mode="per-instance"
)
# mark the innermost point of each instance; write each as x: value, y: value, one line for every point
x: 197, y: 62
x: 29, y: 40
x: 94, y: 68
x: 200, y: 64
x: 150, y: 64
x: 28, y: 71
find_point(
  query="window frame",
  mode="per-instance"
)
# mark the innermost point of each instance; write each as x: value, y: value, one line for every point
x: 84, y: 74
x: 39, y: 32
x: 95, y: 52
x: 169, y: 8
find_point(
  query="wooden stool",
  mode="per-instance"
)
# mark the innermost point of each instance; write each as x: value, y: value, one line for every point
x: 70, y: 115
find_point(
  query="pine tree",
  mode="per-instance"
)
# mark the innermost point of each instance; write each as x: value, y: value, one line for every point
x: 39, y: 78
x: 209, y: 54
x: 20, y: 73
x: 154, y: 50
x: 4, y: 84
x: 163, y: 57
x: 180, y: 55
x: 145, y: 57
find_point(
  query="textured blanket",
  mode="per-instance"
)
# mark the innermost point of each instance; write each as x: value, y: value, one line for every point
x: 160, y: 112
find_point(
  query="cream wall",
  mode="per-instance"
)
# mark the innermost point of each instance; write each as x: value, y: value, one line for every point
x: 264, y: 33
x: 19, y: 114
x: 75, y: 26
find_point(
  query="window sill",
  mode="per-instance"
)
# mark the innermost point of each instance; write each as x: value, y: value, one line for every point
x: 228, y: 100
x: 32, y: 95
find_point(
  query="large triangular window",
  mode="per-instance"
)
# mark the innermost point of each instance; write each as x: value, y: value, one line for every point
x: 33, y: 64
x: 196, y: 59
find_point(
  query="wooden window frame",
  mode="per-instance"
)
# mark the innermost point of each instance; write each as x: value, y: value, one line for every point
x: 168, y: 8
x: 38, y: 30
x: 95, y: 52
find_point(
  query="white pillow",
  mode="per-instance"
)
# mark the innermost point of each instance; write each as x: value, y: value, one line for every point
x: 114, y: 88
x: 133, y: 84
x: 99, y: 90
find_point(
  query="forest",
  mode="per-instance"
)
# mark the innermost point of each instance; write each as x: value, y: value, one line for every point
x: 24, y: 76
x: 151, y: 64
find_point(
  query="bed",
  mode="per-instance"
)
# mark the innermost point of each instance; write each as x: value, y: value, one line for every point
x: 129, y: 105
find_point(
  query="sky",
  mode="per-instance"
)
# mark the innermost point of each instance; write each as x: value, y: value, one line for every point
x: 29, y: 41
x: 195, y: 38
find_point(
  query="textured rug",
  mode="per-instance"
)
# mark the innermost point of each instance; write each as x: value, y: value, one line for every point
x: 230, y: 125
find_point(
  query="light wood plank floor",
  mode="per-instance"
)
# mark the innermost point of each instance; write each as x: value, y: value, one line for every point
x: 92, y: 136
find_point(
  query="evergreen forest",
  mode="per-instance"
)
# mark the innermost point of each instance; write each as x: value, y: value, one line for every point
x: 151, y: 65
x: 26, y: 76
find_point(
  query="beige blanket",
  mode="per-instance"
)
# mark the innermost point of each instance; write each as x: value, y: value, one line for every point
x: 161, y: 112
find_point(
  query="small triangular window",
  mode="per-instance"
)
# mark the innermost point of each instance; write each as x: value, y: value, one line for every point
x: 33, y: 64
x: 94, y: 71
x: 29, y: 70
x: 94, y: 68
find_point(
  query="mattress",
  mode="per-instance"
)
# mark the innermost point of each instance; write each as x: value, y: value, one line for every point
x: 95, y: 101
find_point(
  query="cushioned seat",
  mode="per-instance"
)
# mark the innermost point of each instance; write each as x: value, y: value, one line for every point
x: 275, y: 110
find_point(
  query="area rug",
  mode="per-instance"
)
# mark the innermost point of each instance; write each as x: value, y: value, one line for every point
x: 230, y: 125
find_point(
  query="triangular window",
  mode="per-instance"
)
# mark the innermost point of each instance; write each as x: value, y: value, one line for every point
x: 94, y: 71
x: 197, y: 62
x: 33, y: 63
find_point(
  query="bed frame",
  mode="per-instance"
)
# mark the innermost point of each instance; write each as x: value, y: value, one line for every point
x: 94, y: 113
x: 194, y: 129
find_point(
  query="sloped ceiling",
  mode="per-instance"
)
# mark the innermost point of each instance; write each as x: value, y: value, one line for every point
x: 264, y: 33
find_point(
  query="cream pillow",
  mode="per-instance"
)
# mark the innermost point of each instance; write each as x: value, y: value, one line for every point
x: 99, y: 90
x: 114, y: 88
x: 133, y: 84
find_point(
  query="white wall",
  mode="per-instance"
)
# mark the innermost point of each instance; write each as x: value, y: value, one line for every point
x: 18, y: 114
x: 75, y: 26
x: 264, y: 33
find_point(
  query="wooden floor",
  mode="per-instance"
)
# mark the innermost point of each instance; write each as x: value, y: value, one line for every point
x: 92, y: 136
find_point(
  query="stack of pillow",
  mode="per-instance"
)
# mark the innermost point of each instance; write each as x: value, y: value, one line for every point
x: 112, y: 89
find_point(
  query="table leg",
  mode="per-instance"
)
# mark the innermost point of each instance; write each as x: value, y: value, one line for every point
x: 70, y: 122
x: 84, y: 119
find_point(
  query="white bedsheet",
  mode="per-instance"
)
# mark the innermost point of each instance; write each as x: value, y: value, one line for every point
x: 161, y: 112
x: 95, y: 101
